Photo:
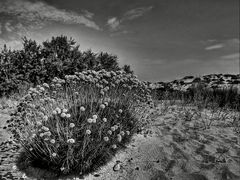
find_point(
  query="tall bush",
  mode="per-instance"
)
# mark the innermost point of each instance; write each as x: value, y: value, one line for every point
x: 39, y: 63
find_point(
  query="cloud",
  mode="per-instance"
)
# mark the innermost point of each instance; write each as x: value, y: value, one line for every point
x: 213, y: 47
x: 115, y: 22
x: 137, y: 12
x: 41, y: 12
x: 234, y: 43
x: 0, y: 28
x: 88, y: 14
x: 9, y: 27
x: 14, y: 44
x: 233, y: 56
x: 118, y: 33
x: 224, y: 44
x: 24, y: 17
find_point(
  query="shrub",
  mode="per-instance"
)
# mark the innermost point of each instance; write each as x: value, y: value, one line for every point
x: 76, y: 124
x: 202, y: 95
x: 39, y: 63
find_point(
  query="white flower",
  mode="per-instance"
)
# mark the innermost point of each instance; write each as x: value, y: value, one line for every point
x: 58, y: 85
x: 82, y: 108
x: 95, y: 117
x: 48, y: 133
x: 54, y: 112
x: 64, y: 110
x: 106, y: 139
x: 30, y: 149
x: 119, y: 138
x: 113, y: 128
x: 109, y: 132
x: 24, y: 176
x: 14, y: 167
x: 58, y: 110
x: 42, y: 109
x: 45, y: 128
x: 106, y: 103
x: 68, y: 115
x: 102, y: 106
x: 114, y: 146
x: 102, y: 92
x: 122, y: 133
x: 39, y: 123
x: 76, y: 178
x: 46, y: 85
x: 45, y: 118
x: 127, y: 132
x: 41, y: 89
x: 88, y: 131
x: 104, y: 119
x: 94, y: 120
x: 71, y: 125
x: 71, y: 141
x: 63, y: 115
x: 54, y: 154
x: 89, y: 120
x: 62, y: 168
x: 120, y: 111
x: 52, y: 141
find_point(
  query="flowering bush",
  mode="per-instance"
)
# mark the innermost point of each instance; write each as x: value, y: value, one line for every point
x: 76, y: 124
x: 36, y: 63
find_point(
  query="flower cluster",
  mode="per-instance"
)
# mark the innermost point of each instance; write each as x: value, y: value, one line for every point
x: 82, y: 117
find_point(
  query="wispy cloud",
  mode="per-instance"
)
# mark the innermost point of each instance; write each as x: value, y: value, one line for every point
x: 23, y: 17
x: 40, y: 11
x: 88, y: 14
x: 137, y: 12
x: 114, y: 23
x: 9, y: 27
x: 118, y: 33
x: 213, y: 47
x: 233, y: 56
x: 226, y: 44
x: 0, y: 28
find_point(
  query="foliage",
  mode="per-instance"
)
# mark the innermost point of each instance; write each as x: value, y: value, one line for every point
x: 199, y: 94
x: 39, y: 63
x: 76, y: 124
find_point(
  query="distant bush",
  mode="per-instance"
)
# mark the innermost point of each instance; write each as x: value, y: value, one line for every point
x: 76, y: 124
x: 38, y: 63
x: 221, y: 97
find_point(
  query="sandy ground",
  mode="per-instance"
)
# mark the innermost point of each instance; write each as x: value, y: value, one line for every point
x: 180, y: 143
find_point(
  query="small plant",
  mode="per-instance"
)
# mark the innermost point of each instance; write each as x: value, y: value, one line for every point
x: 188, y: 114
x: 76, y: 124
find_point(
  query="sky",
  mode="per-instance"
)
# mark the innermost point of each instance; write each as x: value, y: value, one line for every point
x: 162, y: 40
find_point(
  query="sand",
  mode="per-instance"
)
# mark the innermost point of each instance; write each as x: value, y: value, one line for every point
x: 180, y: 143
